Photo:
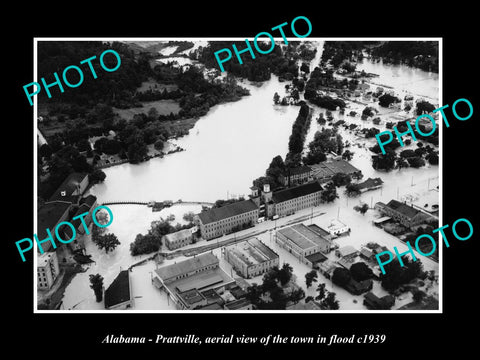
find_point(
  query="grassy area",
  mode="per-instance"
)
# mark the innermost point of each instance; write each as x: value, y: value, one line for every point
x: 152, y: 84
x: 164, y: 107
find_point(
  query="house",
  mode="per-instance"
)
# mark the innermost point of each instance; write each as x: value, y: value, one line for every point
x: 251, y: 257
x: 370, y: 184
x: 118, y: 296
x: 405, y: 214
x: 178, y: 239
x: 373, y: 302
x: 337, y: 228
x: 296, y: 176
x: 71, y: 189
x: 186, y: 280
x: 216, y: 222
x: 302, y: 241
x: 47, y: 270
x: 367, y: 254
x: 326, y: 268
x: 348, y: 252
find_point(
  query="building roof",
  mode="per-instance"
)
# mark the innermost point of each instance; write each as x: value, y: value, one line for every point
x: 369, y: 183
x: 366, y: 252
x: 346, y: 250
x: 237, y: 304
x: 252, y: 252
x: 404, y: 209
x: 320, y: 231
x: 303, y: 236
x: 227, y: 211
x: 49, y: 215
x: 299, y: 170
x: 179, y: 235
x: 89, y: 200
x: 296, y: 191
x: 68, y: 187
x: 191, y: 297
x: 316, y: 258
x: 213, y: 306
x: 44, y: 259
x: 119, y: 290
x: 331, y: 167
x: 186, y: 266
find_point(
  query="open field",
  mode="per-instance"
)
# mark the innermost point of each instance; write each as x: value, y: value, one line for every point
x: 164, y: 107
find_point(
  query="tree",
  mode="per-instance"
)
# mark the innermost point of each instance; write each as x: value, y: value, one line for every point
x: 418, y: 296
x: 310, y: 278
x: 331, y: 302
x: 189, y: 216
x: 103, y: 218
x: 341, y: 276
x: 341, y: 179
x: 96, y: 176
x: 387, y: 99
x: 432, y: 158
x: 297, y: 295
x: 158, y: 145
x: 105, y: 241
x: 137, y: 151
x: 384, y: 161
x: 360, y: 271
x: 352, y: 190
x: 329, y: 193
x: 416, y: 161
x: 322, y: 291
x: 361, y: 209
x: 152, y: 114
x: 276, y: 98
x: 96, y: 283
x: 424, y: 107
x: 285, y: 274
x: 347, y: 155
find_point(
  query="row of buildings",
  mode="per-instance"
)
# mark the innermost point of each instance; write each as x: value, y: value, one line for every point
x: 199, y: 283
x: 303, y: 191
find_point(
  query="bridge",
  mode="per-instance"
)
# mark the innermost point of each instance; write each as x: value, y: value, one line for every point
x: 151, y: 203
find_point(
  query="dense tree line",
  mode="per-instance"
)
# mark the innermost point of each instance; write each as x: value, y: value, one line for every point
x: 420, y: 54
x: 396, y: 275
x: 113, y: 88
x: 337, y: 52
x: 297, y: 137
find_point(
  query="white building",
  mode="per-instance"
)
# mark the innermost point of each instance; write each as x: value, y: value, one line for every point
x: 47, y: 270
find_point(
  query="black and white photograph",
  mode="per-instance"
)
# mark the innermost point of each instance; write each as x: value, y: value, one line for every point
x: 260, y: 187
x: 193, y: 179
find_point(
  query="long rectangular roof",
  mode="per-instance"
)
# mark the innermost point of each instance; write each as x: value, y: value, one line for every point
x: 408, y: 211
x: 227, y: 211
x: 303, y: 237
x: 186, y: 266
x: 295, y: 192
x: 252, y: 252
